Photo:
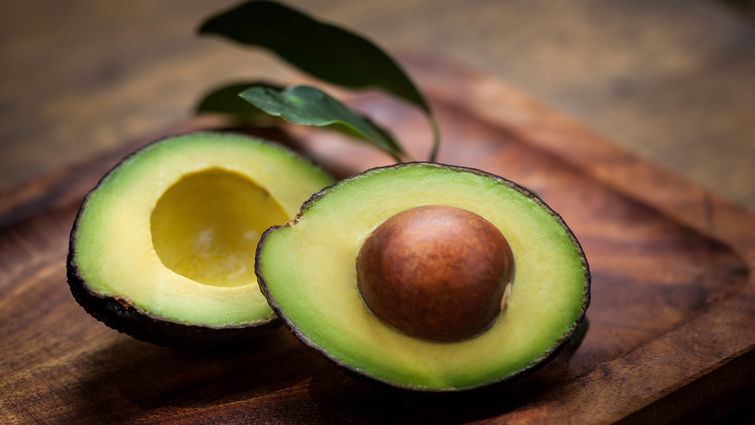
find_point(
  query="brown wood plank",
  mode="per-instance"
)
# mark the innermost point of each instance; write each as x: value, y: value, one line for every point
x: 671, y: 80
x: 673, y: 298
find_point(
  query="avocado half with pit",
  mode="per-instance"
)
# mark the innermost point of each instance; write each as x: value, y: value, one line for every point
x: 163, y: 247
x: 427, y: 276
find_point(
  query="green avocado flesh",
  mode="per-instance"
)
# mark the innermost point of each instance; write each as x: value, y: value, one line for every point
x: 172, y: 230
x: 307, y: 269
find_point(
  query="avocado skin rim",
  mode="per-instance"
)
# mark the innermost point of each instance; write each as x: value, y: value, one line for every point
x: 362, y: 375
x: 121, y: 315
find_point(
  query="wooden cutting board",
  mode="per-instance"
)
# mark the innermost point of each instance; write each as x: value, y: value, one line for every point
x: 672, y: 319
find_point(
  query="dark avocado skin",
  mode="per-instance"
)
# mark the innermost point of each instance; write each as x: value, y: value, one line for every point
x: 534, y: 366
x: 121, y: 315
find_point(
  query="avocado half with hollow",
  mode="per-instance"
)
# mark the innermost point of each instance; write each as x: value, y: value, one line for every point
x: 427, y: 276
x: 163, y: 247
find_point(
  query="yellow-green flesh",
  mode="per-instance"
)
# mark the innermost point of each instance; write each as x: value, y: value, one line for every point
x: 206, y: 226
x: 310, y: 272
x: 174, y: 228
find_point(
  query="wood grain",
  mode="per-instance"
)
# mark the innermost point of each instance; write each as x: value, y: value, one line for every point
x: 671, y: 318
x: 671, y: 80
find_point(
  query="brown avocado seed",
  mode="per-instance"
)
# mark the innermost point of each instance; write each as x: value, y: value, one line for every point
x: 435, y: 272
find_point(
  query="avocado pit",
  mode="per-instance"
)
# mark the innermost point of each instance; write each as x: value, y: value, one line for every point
x: 435, y: 272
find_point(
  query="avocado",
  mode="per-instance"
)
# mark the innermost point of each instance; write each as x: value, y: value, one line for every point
x: 431, y: 236
x: 163, y: 247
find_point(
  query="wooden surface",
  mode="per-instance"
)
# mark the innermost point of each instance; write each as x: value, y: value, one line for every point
x: 672, y: 315
x: 670, y: 80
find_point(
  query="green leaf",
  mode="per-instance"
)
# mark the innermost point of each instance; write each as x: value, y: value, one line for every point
x: 311, y: 106
x: 325, y: 51
x: 225, y: 100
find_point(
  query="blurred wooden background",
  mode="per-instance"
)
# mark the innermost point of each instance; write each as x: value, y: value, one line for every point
x: 673, y: 80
